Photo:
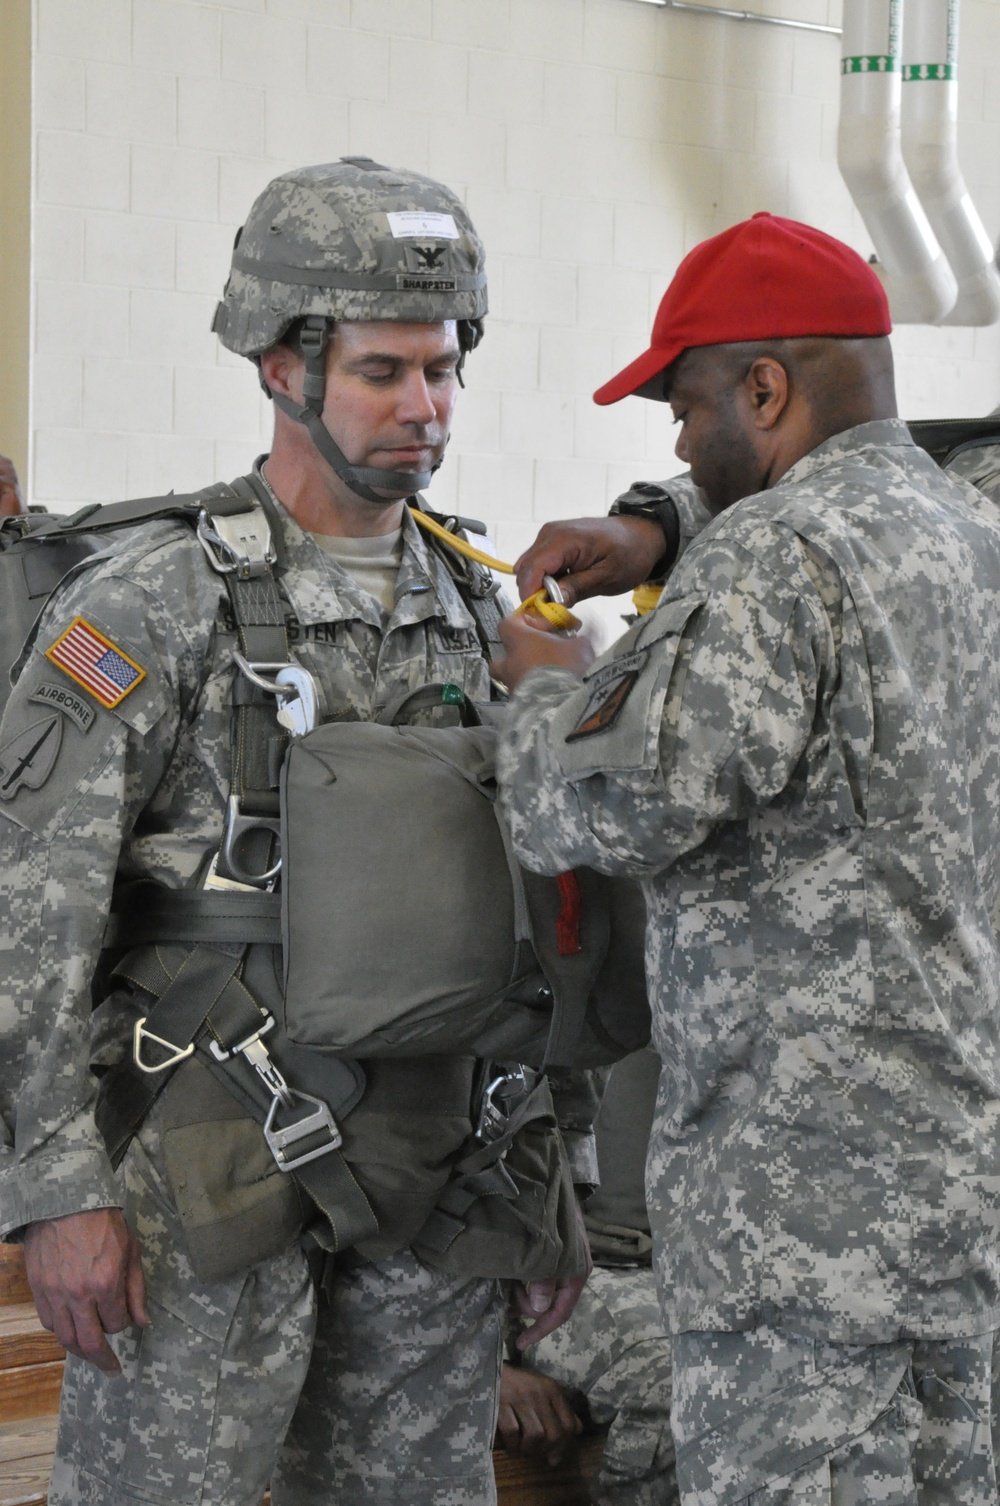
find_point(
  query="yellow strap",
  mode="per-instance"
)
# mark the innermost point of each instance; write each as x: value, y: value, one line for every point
x: 554, y: 612
x: 645, y: 597
x: 558, y: 616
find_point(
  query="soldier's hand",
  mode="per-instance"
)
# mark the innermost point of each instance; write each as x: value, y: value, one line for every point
x: 529, y: 642
x: 591, y: 556
x: 85, y: 1272
x: 536, y: 1416
x: 549, y: 1302
x: 11, y: 501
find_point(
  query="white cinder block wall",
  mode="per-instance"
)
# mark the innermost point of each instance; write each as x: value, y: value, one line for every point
x: 595, y: 141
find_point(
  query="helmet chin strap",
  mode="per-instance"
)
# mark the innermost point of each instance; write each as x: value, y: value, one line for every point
x: 360, y: 478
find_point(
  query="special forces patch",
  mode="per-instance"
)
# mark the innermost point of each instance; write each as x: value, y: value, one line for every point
x: 96, y: 663
x: 609, y: 690
x: 28, y: 760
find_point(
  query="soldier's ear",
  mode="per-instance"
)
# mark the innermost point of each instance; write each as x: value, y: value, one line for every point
x: 768, y: 389
x: 281, y: 371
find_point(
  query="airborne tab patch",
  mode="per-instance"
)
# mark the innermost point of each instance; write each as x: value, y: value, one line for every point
x: 609, y: 690
x: 96, y: 663
x: 63, y: 699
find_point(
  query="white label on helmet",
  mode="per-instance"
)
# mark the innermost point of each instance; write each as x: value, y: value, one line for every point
x: 405, y: 222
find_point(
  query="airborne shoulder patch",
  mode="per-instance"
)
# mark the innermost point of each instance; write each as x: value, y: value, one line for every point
x: 609, y: 690
x: 94, y: 662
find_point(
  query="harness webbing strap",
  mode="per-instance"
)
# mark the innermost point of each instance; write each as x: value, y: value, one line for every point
x: 126, y: 1093
x: 205, y: 998
x: 480, y: 1173
x: 97, y: 517
x: 347, y: 1216
x: 258, y: 741
x: 144, y: 913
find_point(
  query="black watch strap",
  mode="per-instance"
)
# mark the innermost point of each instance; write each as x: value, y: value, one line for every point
x: 645, y: 499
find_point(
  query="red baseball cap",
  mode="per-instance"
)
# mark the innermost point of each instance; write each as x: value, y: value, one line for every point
x: 764, y: 279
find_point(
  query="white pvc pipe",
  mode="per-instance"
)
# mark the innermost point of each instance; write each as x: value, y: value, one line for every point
x: 918, y: 280
x: 929, y: 133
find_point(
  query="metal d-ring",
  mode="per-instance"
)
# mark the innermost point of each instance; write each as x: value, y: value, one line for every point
x: 554, y: 589
x: 141, y: 1033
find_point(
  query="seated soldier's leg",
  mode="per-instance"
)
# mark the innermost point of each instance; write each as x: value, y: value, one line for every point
x: 775, y: 1419
x: 198, y: 1414
x: 613, y: 1349
x: 401, y: 1398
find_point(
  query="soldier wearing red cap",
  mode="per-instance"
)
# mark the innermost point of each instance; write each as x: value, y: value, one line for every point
x: 798, y: 753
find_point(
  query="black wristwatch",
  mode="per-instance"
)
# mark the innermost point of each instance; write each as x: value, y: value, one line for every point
x: 644, y: 499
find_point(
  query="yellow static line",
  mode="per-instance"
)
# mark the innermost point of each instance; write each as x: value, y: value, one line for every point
x: 554, y: 612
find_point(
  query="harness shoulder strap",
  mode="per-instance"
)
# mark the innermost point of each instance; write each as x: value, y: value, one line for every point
x: 473, y: 582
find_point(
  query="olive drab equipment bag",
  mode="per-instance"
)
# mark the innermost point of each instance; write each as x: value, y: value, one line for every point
x: 421, y: 932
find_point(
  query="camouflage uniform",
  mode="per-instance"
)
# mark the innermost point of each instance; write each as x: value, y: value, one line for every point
x: 979, y: 465
x: 406, y: 1359
x: 613, y: 1349
x: 799, y: 754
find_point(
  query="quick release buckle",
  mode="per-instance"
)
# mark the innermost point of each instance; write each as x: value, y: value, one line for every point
x: 237, y: 543
x: 223, y: 1053
x: 282, y: 1139
x: 494, y: 1114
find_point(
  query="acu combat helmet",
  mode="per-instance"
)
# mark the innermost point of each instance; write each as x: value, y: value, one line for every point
x: 350, y: 240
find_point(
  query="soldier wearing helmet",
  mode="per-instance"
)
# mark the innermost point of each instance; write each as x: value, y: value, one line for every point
x: 165, y: 1245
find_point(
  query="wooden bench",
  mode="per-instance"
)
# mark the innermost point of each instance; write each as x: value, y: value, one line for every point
x: 31, y: 1376
x: 30, y: 1379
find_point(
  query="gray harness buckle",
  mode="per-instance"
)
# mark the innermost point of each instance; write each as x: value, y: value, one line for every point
x: 281, y: 1140
x: 237, y: 543
x: 221, y: 1053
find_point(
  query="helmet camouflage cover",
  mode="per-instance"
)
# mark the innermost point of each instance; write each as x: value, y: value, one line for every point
x: 350, y: 240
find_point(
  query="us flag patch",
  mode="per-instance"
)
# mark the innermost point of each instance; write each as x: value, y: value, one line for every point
x: 96, y: 663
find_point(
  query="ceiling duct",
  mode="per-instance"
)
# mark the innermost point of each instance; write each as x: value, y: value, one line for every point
x: 930, y: 151
x: 920, y: 284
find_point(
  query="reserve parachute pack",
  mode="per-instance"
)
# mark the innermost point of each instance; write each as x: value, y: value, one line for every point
x: 365, y: 905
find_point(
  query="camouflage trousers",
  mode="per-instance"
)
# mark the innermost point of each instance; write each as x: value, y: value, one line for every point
x: 384, y: 1392
x: 613, y: 1349
x: 773, y: 1419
